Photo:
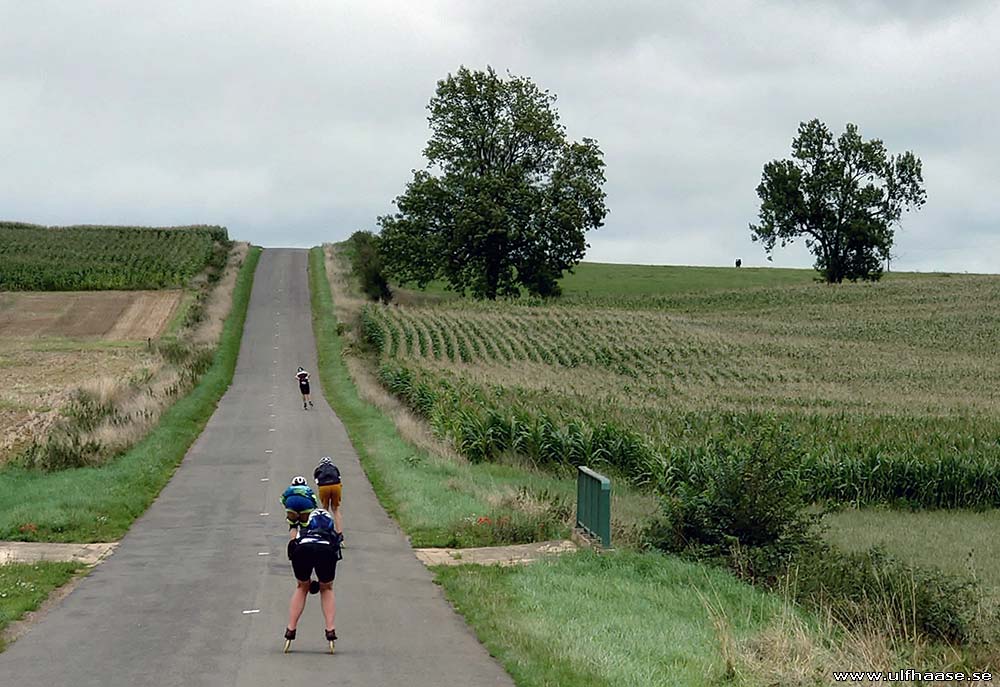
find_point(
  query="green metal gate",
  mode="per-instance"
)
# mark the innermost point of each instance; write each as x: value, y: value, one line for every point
x: 593, y: 505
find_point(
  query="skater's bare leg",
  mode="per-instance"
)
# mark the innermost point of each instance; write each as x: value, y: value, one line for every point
x: 337, y: 519
x: 329, y: 604
x: 298, y: 603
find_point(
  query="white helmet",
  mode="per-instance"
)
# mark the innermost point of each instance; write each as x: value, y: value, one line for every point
x: 299, y: 481
x: 325, y: 459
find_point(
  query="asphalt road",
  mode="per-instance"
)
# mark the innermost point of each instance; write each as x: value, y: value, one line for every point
x: 197, y: 593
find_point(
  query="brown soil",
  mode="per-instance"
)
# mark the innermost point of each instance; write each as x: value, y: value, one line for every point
x: 109, y: 315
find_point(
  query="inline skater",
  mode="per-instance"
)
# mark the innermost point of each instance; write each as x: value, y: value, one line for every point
x: 316, y: 548
x: 299, y: 501
x: 330, y: 487
x: 303, y: 378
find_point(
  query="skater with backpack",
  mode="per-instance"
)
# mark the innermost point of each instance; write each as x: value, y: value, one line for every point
x: 317, y: 548
x: 299, y: 502
x: 303, y: 378
x: 329, y: 485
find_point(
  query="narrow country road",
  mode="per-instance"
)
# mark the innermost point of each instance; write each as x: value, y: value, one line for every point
x: 197, y: 592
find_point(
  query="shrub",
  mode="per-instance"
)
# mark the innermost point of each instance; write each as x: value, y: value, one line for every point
x: 742, y: 504
x: 366, y: 265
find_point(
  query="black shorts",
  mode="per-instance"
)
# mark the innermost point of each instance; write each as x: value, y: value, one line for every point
x: 304, y: 387
x: 313, y: 556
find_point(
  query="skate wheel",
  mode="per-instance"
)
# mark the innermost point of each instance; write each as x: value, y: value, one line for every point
x: 331, y: 646
x: 288, y: 645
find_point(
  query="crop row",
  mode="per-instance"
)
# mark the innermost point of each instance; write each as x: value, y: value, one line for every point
x: 36, y: 258
x: 484, y: 427
x: 627, y: 345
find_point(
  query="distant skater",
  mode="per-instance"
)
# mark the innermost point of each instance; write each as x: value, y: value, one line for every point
x: 330, y: 487
x: 303, y: 378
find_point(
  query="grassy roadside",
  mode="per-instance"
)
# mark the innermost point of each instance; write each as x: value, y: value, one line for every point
x: 24, y: 586
x: 590, y: 620
x: 99, y: 504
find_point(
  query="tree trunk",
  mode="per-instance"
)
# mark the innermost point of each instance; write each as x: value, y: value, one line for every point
x: 494, y: 260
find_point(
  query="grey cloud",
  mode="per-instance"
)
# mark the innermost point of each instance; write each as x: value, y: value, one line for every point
x: 299, y: 122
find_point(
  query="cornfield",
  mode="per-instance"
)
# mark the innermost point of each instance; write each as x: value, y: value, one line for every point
x: 890, y: 391
x: 82, y: 258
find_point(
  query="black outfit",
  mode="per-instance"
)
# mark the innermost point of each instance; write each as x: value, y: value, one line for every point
x: 317, y: 550
x: 326, y: 473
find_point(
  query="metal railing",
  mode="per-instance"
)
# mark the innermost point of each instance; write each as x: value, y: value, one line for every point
x: 593, y: 505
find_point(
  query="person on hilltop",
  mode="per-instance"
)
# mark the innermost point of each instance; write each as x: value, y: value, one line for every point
x: 299, y: 502
x: 316, y: 548
x: 303, y: 378
x: 330, y: 486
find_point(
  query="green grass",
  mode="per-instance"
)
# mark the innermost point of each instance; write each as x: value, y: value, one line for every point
x: 960, y: 542
x: 603, y: 280
x: 24, y: 586
x: 590, y: 620
x: 606, y: 279
x: 100, y: 503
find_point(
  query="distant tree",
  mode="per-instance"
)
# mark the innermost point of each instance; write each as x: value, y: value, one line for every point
x: 739, y: 262
x: 510, y: 199
x: 843, y: 195
x: 366, y: 265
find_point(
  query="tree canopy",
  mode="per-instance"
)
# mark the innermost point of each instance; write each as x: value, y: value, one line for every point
x: 844, y: 195
x: 505, y: 200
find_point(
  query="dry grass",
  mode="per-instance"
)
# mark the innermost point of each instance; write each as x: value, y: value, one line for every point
x: 221, y: 299
x: 796, y: 650
x: 410, y: 427
x: 38, y: 377
x: 36, y: 382
x: 345, y: 295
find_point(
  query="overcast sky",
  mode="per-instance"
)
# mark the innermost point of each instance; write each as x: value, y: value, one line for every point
x: 295, y: 122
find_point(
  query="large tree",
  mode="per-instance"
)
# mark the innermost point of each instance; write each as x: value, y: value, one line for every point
x: 505, y: 201
x: 844, y: 195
